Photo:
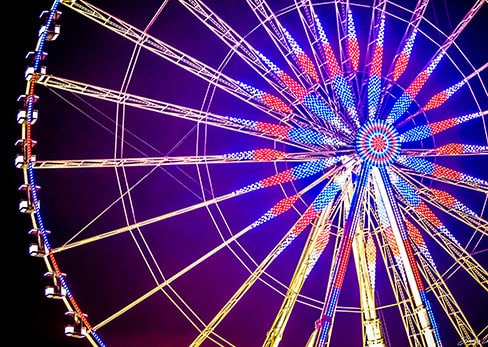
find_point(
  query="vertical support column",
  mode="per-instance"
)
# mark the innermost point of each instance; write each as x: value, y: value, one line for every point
x: 400, y: 236
x: 275, y: 333
x: 373, y: 336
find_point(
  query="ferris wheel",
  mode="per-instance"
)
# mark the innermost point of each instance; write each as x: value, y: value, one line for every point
x: 244, y: 173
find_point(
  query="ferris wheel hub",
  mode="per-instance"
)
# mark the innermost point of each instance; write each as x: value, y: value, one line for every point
x: 377, y: 143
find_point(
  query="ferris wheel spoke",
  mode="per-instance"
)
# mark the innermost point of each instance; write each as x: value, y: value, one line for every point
x: 324, y: 58
x: 265, y: 102
x: 450, y: 149
x: 352, y: 49
x: 307, y: 14
x: 437, y: 285
x: 312, y: 101
x: 296, y: 173
x: 297, y: 60
x: 341, y: 85
x: 305, y: 136
x: 306, y: 261
x: 252, y: 156
x: 449, y: 243
x: 248, y: 53
x: 437, y: 230
x: 318, y: 207
x: 317, y: 241
x: 244, y: 49
x: 422, y: 132
x: 440, y: 98
x: 141, y: 224
x: 229, y: 123
x: 447, y: 203
x: 443, y: 173
x: 279, y: 208
x: 402, y: 57
x: 328, y: 69
x: 375, y: 65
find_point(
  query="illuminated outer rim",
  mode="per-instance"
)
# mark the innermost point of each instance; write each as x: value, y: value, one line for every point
x: 377, y: 143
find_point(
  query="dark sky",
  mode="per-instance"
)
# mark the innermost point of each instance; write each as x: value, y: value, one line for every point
x: 33, y: 318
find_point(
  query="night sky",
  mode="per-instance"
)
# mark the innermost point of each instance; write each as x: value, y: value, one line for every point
x: 32, y: 317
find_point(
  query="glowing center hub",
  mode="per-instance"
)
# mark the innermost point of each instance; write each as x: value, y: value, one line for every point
x: 378, y: 143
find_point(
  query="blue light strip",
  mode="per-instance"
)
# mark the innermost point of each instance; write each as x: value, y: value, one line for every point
x: 343, y: 255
